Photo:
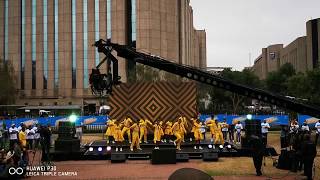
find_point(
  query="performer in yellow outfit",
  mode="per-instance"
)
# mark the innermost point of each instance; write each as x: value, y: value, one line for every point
x: 157, y: 135
x: 177, y: 133
x: 218, y: 134
x: 197, y: 132
x: 118, y: 136
x: 212, y: 126
x: 110, y: 130
x: 183, y: 126
x: 168, y: 131
x: 144, y: 130
x: 135, y: 136
x: 161, y: 131
x: 23, y: 138
x: 126, y: 129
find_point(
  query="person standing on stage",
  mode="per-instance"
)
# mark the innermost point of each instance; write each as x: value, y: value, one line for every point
x: 197, y: 132
x: 183, y: 126
x: 224, y: 128
x: 110, y: 130
x: 157, y: 134
x: 218, y: 134
x: 212, y: 126
x: 231, y: 132
x: 168, y: 132
x: 264, y: 130
x: 238, y: 128
x: 144, y: 130
x: 126, y: 129
x: 13, y: 132
x: 135, y: 136
x: 118, y: 137
x: 317, y: 126
x: 177, y: 133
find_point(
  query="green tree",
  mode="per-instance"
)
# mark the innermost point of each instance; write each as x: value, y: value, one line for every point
x: 7, y: 83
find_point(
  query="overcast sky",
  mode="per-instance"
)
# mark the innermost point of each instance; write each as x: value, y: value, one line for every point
x: 236, y: 28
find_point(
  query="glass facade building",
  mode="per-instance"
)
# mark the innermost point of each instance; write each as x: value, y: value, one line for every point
x: 50, y: 41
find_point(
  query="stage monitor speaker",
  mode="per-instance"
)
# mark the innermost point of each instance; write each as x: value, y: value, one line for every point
x: 118, y: 158
x: 67, y: 145
x: 210, y: 156
x: 182, y: 157
x: 163, y: 156
x: 189, y: 174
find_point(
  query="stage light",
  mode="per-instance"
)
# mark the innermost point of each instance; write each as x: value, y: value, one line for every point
x: 99, y: 149
x: 73, y: 118
x: 210, y: 146
x: 249, y: 116
x: 108, y: 148
x: 90, y: 149
x: 221, y: 146
x: 229, y: 146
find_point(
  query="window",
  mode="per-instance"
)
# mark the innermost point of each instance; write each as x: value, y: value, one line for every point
x: 34, y: 42
x: 45, y: 44
x: 23, y: 41
x: 6, y: 35
x: 74, y: 44
x: 97, y: 33
x: 133, y: 22
x: 272, y: 55
x: 109, y: 30
x: 56, y: 43
x: 85, y: 44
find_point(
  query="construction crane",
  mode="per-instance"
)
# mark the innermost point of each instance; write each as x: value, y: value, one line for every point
x: 102, y: 83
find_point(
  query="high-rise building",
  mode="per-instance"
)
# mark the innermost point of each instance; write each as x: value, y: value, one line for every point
x: 49, y: 42
x: 303, y: 53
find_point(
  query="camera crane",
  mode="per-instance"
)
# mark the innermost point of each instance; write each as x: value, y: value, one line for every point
x: 102, y: 83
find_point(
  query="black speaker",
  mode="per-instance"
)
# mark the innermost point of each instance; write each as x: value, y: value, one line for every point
x: 253, y: 127
x: 182, y: 157
x: 163, y: 156
x: 66, y: 130
x: 118, y: 158
x: 67, y: 145
x: 210, y: 156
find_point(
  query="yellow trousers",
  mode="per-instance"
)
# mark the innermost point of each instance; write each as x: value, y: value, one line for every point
x: 135, y: 140
x: 126, y: 130
x: 143, y: 135
x: 218, y: 137
x: 178, y: 140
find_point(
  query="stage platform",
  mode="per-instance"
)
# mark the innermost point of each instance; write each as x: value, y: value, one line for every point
x: 101, y: 150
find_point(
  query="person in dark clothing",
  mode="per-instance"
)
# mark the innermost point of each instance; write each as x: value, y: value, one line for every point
x: 257, y: 147
x: 231, y: 132
x: 45, y: 140
x: 309, y: 152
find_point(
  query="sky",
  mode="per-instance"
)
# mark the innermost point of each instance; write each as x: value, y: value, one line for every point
x: 238, y: 29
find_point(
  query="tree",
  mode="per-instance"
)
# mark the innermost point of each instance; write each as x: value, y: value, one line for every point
x: 7, y: 83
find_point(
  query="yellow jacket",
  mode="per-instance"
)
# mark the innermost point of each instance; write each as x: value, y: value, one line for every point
x: 168, y: 129
x: 135, y: 128
x: 212, y: 125
x: 197, y: 132
x: 110, y: 129
x: 127, y: 122
x: 23, y: 139
x: 176, y: 128
x: 157, y: 132
x: 117, y: 133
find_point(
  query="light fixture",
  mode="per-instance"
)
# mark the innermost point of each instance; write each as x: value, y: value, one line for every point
x: 221, y: 146
x: 90, y: 149
x: 210, y: 146
x: 73, y: 118
x: 99, y: 149
x: 229, y: 146
x: 108, y: 148
x: 249, y: 116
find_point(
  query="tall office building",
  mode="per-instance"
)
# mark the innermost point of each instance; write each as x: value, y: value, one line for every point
x: 303, y: 53
x: 49, y: 42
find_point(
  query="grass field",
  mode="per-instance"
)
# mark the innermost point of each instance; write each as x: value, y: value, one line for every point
x: 240, y: 166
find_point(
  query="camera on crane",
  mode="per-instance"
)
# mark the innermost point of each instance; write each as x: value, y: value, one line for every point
x: 101, y: 84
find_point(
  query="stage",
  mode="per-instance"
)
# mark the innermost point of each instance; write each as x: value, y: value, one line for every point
x: 101, y: 150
